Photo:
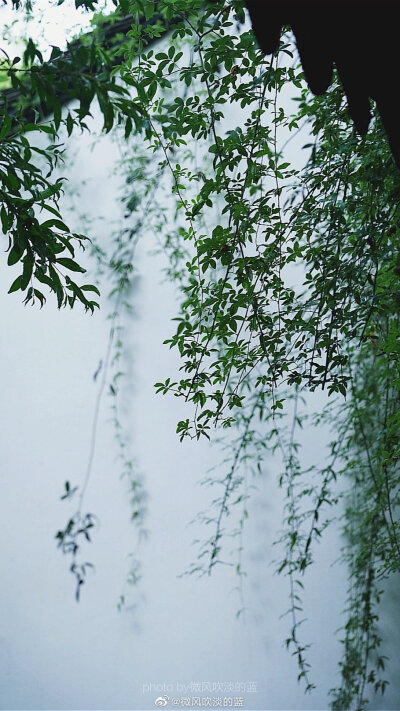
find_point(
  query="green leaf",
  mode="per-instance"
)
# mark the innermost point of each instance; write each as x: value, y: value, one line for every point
x: 14, y: 256
x: 27, y: 271
x: 70, y: 264
x: 55, y: 223
x: 4, y: 219
x: 70, y: 124
x: 56, y: 286
x: 90, y: 287
x: 15, y: 285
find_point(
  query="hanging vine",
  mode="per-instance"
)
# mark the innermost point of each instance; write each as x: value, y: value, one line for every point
x: 252, y: 336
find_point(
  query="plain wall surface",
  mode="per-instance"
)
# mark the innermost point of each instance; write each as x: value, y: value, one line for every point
x: 57, y: 654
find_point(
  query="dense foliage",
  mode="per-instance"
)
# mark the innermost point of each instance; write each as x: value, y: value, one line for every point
x: 288, y: 278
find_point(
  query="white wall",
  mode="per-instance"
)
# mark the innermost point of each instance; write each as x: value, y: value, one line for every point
x: 57, y: 654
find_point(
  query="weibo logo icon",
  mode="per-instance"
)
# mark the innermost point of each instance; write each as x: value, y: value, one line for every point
x: 161, y: 700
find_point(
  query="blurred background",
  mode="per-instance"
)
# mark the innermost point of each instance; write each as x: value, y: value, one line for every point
x: 177, y: 635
